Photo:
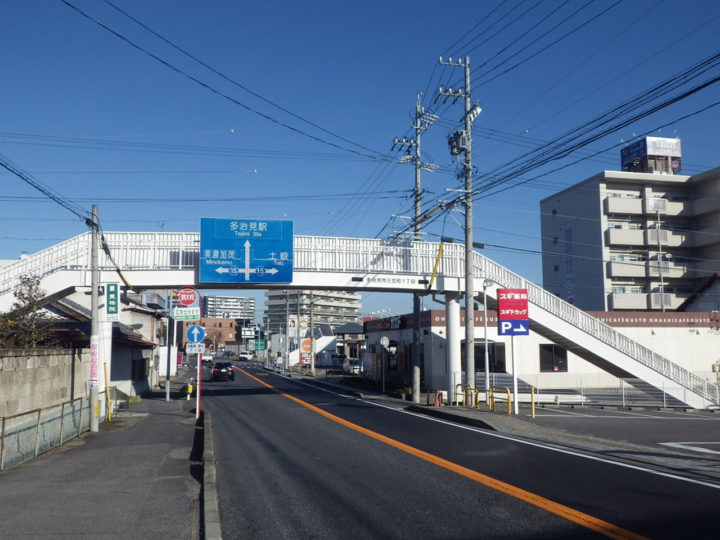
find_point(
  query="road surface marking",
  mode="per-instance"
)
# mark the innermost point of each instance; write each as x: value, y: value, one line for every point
x: 689, y: 446
x: 517, y: 440
x: 585, y: 520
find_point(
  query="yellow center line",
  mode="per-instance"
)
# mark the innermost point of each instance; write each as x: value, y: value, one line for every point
x: 586, y: 520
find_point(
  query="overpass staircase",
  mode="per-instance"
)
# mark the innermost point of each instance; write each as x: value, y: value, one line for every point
x: 170, y: 260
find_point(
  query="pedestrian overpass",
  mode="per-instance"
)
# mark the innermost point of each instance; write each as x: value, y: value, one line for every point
x: 171, y: 260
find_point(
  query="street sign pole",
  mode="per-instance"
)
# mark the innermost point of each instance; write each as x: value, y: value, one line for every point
x: 195, y: 336
x: 199, y: 385
x: 513, y: 319
x: 515, y: 378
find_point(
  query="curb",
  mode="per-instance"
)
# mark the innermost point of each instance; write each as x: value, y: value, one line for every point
x: 211, y: 509
x: 460, y: 419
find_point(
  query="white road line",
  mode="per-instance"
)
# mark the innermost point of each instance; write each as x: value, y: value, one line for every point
x: 521, y: 441
x: 556, y: 413
x: 665, y: 418
x: 688, y: 446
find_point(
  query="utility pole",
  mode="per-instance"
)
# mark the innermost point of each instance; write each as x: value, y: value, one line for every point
x: 286, y: 352
x: 462, y: 142
x: 170, y: 337
x: 423, y: 120
x: 95, y: 320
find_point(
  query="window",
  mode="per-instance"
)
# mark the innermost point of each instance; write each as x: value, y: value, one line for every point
x: 553, y: 358
x: 496, y: 357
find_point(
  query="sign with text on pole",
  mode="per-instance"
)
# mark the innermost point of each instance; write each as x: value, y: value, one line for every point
x: 187, y: 304
x: 195, y: 335
x: 112, y: 302
x: 246, y: 251
x: 513, y: 319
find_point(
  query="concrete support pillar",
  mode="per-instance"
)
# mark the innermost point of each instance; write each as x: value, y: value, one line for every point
x: 454, y: 341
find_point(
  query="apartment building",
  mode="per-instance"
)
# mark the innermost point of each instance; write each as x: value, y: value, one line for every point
x: 643, y: 238
x: 229, y: 307
x: 333, y: 308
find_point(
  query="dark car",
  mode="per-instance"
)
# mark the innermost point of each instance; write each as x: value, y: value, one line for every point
x: 229, y: 355
x: 223, y: 371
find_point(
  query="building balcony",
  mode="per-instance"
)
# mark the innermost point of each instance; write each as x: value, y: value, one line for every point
x: 670, y: 269
x: 668, y: 238
x: 668, y: 300
x: 625, y: 237
x: 623, y: 205
x: 642, y: 301
x: 626, y: 269
x: 628, y: 301
x: 669, y: 208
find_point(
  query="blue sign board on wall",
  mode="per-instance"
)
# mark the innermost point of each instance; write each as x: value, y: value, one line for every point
x: 246, y: 251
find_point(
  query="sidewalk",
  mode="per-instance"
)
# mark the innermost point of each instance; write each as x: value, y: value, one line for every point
x: 139, y: 477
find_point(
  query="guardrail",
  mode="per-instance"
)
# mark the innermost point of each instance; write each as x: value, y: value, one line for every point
x: 29, y: 434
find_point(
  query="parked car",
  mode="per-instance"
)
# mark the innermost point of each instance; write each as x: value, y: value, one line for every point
x: 223, y: 371
x: 229, y: 356
x: 352, y: 366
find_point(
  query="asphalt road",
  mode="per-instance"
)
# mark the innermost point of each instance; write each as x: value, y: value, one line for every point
x: 341, y: 467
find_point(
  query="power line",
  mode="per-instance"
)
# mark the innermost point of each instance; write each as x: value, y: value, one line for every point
x: 215, y: 90
x: 234, y: 82
x: 36, y: 184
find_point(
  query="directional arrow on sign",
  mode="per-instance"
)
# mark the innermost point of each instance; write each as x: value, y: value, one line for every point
x: 195, y: 334
x: 246, y: 271
x: 513, y: 328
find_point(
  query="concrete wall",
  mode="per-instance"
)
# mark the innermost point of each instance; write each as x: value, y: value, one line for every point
x: 32, y: 379
x: 572, y: 245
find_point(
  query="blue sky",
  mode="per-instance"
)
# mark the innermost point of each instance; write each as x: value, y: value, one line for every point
x: 296, y: 118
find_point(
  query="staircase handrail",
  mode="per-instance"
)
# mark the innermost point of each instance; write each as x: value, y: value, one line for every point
x: 488, y: 269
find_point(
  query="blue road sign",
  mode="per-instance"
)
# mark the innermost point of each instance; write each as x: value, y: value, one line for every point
x: 514, y: 328
x: 246, y: 251
x: 195, y: 334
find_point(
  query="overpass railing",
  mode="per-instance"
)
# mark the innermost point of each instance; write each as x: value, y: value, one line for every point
x: 161, y: 250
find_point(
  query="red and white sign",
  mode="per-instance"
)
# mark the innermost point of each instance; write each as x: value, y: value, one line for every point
x: 187, y: 296
x: 512, y: 304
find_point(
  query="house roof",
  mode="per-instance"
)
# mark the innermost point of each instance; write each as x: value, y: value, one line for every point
x: 349, y: 328
x: 123, y: 332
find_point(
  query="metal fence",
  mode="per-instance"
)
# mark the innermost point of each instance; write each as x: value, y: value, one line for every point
x: 622, y: 392
x: 29, y: 434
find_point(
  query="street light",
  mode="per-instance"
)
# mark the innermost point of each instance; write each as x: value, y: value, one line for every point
x: 486, y: 283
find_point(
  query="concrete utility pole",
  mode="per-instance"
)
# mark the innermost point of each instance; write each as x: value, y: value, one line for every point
x: 462, y: 142
x: 95, y: 320
x: 423, y: 120
x: 286, y: 351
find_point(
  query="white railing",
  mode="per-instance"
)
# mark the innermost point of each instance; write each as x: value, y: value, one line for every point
x: 167, y: 251
x: 485, y: 268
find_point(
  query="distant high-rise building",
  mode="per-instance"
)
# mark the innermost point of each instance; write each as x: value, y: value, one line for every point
x: 333, y: 308
x: 229, y: 307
